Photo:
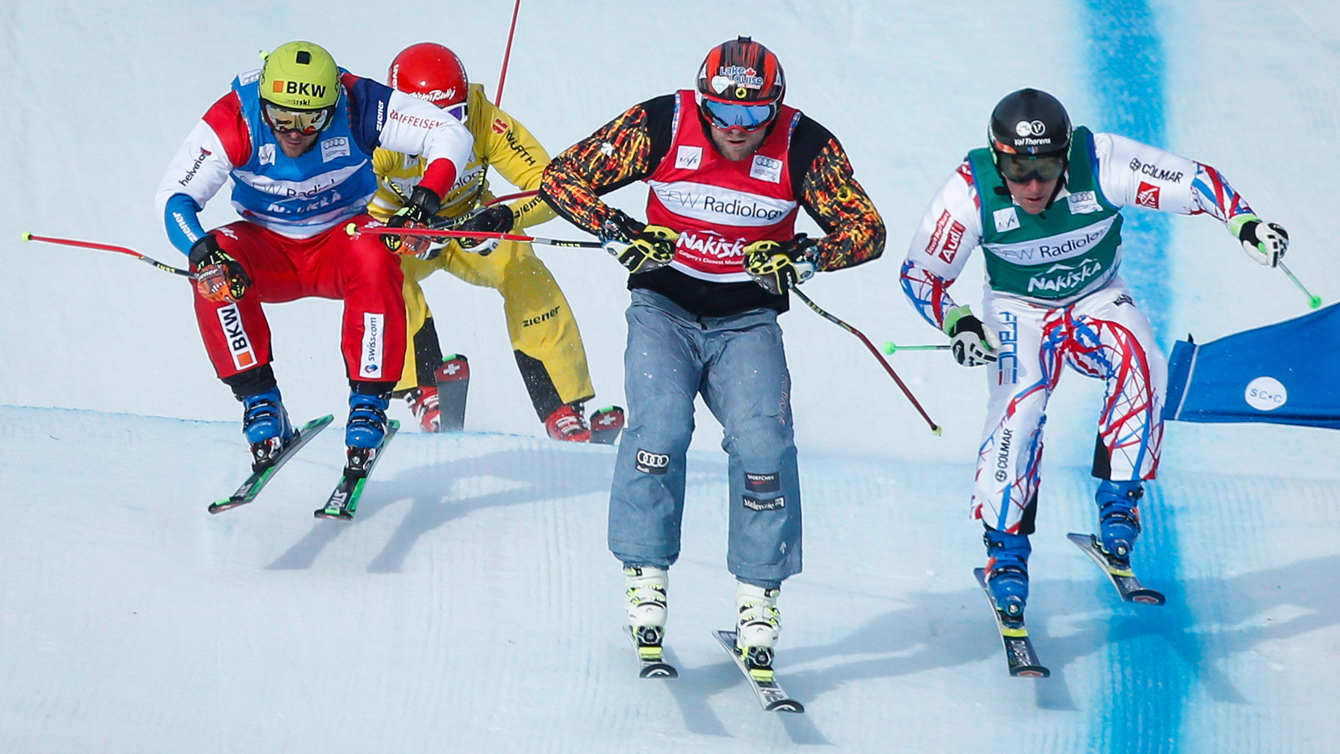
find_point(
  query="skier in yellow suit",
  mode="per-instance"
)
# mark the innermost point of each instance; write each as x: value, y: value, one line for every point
x: 543, y: 332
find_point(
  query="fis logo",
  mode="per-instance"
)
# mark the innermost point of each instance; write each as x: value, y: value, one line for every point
x: 689, y: 157
x: 1006, y: 219
x: 239, y: 344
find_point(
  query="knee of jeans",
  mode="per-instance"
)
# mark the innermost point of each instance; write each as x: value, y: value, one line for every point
x: 657, y: 437
x: 759, y: 441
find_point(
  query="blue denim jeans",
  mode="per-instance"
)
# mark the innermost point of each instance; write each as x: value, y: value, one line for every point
x: 738, y: 365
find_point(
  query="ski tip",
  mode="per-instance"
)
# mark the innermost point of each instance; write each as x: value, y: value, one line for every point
x: 786, y: 705
x: 1147, y: 597
x: 659, y: 671
x: 27, y: 235
x: 226, y: 504
x: 1030, y: 671
x: 332, y: 515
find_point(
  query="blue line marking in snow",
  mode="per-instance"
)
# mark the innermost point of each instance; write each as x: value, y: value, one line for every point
x: 1152, y: 656
x: 1127, y: 78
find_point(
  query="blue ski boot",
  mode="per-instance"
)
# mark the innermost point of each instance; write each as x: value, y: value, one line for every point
x: 1007, y: 573
x: 365, y: 431
x: 266, y: 425
x: 1119, y: 519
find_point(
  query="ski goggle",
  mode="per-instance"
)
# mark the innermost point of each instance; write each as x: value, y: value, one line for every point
x: 305, y: 122
x: 1022, y: 169
x: 457, y: 111
x: 725, y: 115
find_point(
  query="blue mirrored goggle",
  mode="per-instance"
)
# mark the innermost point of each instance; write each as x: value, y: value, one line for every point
x: 457, y: 111
x: 725, y: 115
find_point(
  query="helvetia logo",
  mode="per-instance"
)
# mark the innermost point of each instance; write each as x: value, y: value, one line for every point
x: 195, y: 166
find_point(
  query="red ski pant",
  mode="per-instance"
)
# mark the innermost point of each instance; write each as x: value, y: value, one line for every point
x: 360, y: 271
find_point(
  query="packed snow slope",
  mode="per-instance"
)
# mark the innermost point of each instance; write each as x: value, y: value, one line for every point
x: 472, y: 605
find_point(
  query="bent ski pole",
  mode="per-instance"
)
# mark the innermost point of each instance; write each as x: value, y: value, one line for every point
x: 354, y: 231
x: 935, y: 428
x: 107, y: 247
x: 1313, y: 302
x: 891, y: 348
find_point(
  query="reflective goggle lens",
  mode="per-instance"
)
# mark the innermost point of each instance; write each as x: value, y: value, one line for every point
x: 306, y: 122
x: 1022, y: 168
x: 738, y: 115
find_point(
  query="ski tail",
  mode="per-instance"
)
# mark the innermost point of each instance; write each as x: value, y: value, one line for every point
x: 343, y: 500
x: 258, y: 479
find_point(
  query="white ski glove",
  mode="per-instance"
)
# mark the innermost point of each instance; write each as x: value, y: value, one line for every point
x: 972, y: 343
x: 1264, y: 242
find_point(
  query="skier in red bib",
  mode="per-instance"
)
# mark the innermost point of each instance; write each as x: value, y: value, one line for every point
x: 728, y: 165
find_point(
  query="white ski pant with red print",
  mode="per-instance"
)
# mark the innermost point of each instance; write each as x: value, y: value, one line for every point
x: 1102, y: 335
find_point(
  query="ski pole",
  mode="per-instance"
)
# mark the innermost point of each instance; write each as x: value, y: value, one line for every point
x: 935, y: 428
x: 507, y: 54
x: 510, y: 197
x: 891, y: 348
x: 497, y: 97
x: 1313, y: 302
x: 354, y: 231
x: 27, y: 236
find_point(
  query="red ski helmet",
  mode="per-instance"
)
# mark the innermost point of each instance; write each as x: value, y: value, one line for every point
x: 740, y: 84
x: 430, y: 72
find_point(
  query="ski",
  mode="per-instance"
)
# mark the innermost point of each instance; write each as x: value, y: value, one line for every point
x: 606, y: 424
x: 653, y: 664
x: 343, y: 501
x: 258, y: 479
x: 1118, y: 572
x: 1019, y: 654
x: 769, y: 693
x: 453, y: 385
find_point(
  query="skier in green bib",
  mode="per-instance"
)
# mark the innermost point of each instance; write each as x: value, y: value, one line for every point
x: 1043, y: 201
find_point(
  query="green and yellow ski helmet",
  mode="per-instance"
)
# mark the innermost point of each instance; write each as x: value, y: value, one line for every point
x: 300, y: 76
